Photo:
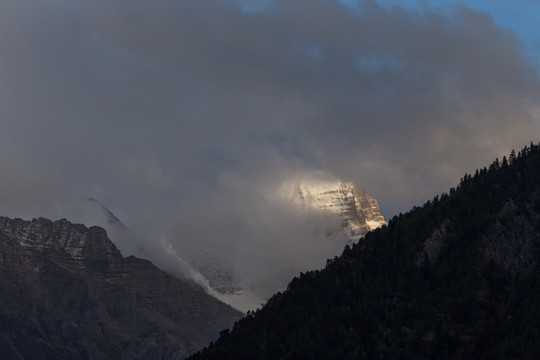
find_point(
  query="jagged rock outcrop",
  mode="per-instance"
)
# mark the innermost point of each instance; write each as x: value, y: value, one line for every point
x: 358, y: 210
x: 67, y: 293
x: 512, y: 241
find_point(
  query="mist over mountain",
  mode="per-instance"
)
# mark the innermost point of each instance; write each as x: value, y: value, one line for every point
x: 458, y: 277
x: 243, y: 274
x: 178, y: 114
x: 185, y: 118
x: 330, y: 213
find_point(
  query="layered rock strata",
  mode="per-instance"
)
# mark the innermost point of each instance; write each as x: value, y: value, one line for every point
x: 358, y: 211
x: 67, y: 293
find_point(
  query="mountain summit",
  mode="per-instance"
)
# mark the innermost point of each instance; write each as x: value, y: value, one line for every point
x: 358, y: 211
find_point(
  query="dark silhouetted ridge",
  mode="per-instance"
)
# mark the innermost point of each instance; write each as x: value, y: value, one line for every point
x: 456, y: 278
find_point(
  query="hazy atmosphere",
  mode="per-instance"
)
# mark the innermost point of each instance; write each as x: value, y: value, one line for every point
x: 186, y: 117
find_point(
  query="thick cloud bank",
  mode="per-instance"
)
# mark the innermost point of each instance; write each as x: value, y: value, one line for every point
x: 185, y: 117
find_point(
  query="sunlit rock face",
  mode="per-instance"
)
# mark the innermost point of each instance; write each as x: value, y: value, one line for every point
x: 358, y: 211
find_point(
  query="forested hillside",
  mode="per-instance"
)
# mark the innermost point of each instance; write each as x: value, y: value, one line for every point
x: 456, y: 278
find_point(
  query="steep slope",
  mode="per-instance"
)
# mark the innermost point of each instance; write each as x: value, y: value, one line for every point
x: 456, y: 278
x: 212, y: 277
x: 67, y: 293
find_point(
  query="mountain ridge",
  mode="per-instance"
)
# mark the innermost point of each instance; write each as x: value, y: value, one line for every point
x: 68, y: 293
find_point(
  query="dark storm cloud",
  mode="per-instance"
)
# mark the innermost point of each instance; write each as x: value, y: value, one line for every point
x: 186, y: 116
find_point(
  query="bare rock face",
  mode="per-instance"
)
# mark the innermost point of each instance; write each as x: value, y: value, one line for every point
x: 434, y: 244
x: 67, y: 293
x: 513, y: 239
x: 358, y: 210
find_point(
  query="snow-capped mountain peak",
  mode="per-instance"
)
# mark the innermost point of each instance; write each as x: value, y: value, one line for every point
x: 358, y: 210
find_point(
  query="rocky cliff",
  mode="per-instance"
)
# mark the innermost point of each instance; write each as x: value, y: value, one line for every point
x: 358, y: 210
x: 67, y: 293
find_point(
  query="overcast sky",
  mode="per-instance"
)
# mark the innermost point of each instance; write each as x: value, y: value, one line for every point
x: 185, y: 117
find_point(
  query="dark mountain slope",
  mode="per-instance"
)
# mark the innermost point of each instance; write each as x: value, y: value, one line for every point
x: 67, y: 293
x: 456, y: 278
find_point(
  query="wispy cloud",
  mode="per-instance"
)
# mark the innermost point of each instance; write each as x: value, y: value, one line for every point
x: 185, y: 116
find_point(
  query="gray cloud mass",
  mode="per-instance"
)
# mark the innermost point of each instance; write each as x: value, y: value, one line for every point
x: 185, y: 117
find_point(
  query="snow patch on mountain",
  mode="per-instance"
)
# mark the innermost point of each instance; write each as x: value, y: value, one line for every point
x: 358, y: 211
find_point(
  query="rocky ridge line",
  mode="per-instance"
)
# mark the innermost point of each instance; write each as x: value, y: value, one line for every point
x: 67, y: 293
